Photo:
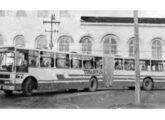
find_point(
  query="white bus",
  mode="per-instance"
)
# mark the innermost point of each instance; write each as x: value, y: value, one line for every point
x: 28, y: 70
x: 43, y: 70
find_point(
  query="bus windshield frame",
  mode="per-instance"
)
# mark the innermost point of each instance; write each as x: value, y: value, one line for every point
x: 7, y: 60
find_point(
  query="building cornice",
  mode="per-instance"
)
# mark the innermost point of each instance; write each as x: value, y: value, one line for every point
x: 121, y: 24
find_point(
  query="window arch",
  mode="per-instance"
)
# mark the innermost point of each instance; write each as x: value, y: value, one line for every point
x: 86, y: 43
x: 64, y: 42
x: 131, y: 47
x: 41, y: 42
x: 21, y: 13
x: 110, y: 44
x: 42, y: 13
x: 157, y: 48
x: 19, y: 41
x: 2, y: 13
x: 1, y: 40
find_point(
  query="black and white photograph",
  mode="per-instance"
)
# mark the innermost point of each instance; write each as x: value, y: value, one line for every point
x: 97, y: 60
x: 82, y: 59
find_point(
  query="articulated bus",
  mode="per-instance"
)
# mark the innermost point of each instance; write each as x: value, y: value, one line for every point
x: 30, y: 70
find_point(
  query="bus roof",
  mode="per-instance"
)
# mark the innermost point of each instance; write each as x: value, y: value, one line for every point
x: 92, y: 55
x: 47, y: 50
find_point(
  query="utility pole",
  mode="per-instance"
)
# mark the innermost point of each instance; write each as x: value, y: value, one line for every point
x: 51, y: 22
x: 137, y: 68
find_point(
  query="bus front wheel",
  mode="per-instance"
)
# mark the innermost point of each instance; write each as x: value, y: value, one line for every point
x: 28, y: 87
x: 147, y: 84
x: 93, y: 84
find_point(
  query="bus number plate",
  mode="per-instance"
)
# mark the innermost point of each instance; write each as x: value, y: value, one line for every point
x: 19, y: 76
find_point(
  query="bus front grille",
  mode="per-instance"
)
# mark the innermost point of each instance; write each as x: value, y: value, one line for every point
x: 4, y: 76
x: 2, y: 81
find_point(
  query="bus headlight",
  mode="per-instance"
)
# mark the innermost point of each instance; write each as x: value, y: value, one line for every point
x: 7, y: 82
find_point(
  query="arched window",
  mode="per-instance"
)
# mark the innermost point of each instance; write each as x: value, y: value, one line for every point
x: 64, y: 13
x: 86, y: 43
x: 131, y: 47
x: 64, y: 42
x: 42, y: 13
x: 1, y: 40
x: 41, y: 42
x: 157, y: 48
x: 21, y: 13
x: 2, y: 13
x: 110, y: 44
x: 19, y: 41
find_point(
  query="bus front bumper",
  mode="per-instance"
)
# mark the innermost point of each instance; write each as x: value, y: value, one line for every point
x: 7, y: 87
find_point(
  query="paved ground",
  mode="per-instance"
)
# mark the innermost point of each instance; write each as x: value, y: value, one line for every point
x: 100, y: 99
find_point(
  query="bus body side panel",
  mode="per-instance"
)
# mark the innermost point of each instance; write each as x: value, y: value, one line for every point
x: 78, y: 82
x: 54, y: 79
x: 124, y: 79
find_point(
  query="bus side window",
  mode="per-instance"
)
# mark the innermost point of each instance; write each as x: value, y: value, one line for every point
x: 62, y: 60
x: 118, y: 64
x: 45, y: 62
x: 76, y: 62
x: 33, y: 58
x: 98, y: 62
x: 21, y: 61
x: 87, y: 65
x: 145, y: 65
x: 129, y: 64
x: 46, y: 59
x: 88, y: 62
x: 156, y: 65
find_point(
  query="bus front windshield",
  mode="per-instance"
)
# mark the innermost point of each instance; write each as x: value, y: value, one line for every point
x: 7, y: 61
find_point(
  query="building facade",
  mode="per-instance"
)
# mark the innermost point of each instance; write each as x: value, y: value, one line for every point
x: 87, y: 32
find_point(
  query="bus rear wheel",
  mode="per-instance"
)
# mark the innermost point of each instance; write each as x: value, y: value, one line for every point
x: 28, y: 87
x: 147, y: 84
x: 8, y: 92
x: 93, y: 84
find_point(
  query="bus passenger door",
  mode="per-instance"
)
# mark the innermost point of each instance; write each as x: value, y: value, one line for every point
x: 108, y: 70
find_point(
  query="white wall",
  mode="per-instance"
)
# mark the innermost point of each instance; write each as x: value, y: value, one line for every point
x: 32, y: 26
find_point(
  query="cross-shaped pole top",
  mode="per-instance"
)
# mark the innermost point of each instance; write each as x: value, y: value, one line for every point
x: 51, y: 22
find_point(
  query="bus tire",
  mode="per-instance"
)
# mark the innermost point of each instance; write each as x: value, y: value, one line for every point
x: 8, y: 92
x: 93, y: 84
x: 28, y: 87
x: 148, y: 84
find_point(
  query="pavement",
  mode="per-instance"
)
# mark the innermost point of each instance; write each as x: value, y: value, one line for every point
x: 103, y: 99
